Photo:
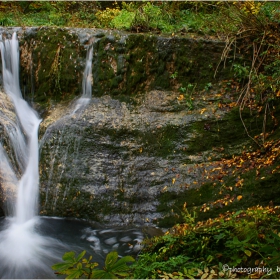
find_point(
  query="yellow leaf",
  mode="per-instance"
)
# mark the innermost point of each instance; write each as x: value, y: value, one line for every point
x: 239, y: 197
x: 248, y: 253
x: 204, y: 276
x: 173, y: 180
x: 206, y: 269
x: 140, y: 150
x: 181, y: 97
x: 202, y: 111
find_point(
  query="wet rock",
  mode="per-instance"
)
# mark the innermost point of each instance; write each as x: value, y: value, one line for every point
x: 112, y: 162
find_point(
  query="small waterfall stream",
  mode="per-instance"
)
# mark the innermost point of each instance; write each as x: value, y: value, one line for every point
x: 30, y: 244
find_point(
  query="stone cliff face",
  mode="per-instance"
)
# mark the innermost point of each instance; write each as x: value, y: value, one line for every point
x: 52, y: 62
x: 135, y: 152
x: 122, y: 163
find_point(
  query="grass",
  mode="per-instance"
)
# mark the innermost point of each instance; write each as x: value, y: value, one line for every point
x: 134, y: 16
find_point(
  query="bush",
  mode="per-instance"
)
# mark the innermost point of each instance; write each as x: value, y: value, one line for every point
x: 123, y: 20
x: 248, y: 238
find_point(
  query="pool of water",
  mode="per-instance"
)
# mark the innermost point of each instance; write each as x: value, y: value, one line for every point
x: 30, y: 254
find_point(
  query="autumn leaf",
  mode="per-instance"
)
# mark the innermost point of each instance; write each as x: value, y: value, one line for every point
x: 202, y: 111
x: 181, y: 97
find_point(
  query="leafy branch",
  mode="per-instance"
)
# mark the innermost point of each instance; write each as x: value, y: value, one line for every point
x: 80, y: 267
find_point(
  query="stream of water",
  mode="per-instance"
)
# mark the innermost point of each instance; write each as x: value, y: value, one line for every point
x: 30, y: 244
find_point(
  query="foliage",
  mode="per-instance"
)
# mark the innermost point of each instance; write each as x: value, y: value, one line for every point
x: 238, y: 239
x: 81, y: 267
x: 6, y: 19
x: 114, y: 268
x: 255, y: 33
x: 187, y: 93
x: 104, y: 18
x: 167, y: 16
x: 75, y: 267
x: 123, y: 20
x: 140, y: 16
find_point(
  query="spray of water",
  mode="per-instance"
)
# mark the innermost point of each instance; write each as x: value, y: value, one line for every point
x: 22, y: 250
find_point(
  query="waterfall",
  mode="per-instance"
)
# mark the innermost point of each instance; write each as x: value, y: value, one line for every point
x: 27, y: 132
x: 22, y: 249
x: 84, y: 100
x: 26, y: 150
x: 24, y: 252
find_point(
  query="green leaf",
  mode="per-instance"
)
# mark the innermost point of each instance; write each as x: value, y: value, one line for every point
x: 69, y: 257
x: 102, y: 274
x: 60, y: 267
x: 267, y: 249
x: 75, y: 274
x: 79, y: 266
x: 111, y: 259
x: 87, y: 270
x: 80, y: 255
x: 123, y: 274
x: 121, y: 265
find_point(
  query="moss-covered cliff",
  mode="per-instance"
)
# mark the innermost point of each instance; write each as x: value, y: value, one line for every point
x: 160, y: 130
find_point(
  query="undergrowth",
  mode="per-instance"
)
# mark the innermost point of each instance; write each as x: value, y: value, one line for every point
x: 242, y: 244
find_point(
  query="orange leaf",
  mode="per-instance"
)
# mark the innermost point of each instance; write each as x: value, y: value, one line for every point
x: 202, y: 111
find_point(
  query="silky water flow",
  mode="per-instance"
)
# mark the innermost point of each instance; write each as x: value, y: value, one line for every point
x: 23, y: 251
x: 30, y: 244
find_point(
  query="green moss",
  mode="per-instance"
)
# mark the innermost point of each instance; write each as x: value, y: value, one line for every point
x: 228, y: 133
x: 53, y: 51
x: 122, y: 64
x: 255, y: 191
x: 171, y: 203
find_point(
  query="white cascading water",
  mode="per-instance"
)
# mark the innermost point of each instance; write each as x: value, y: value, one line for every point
x: 27, y: 149
x: 84, y: 100
x: 22, y: 249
